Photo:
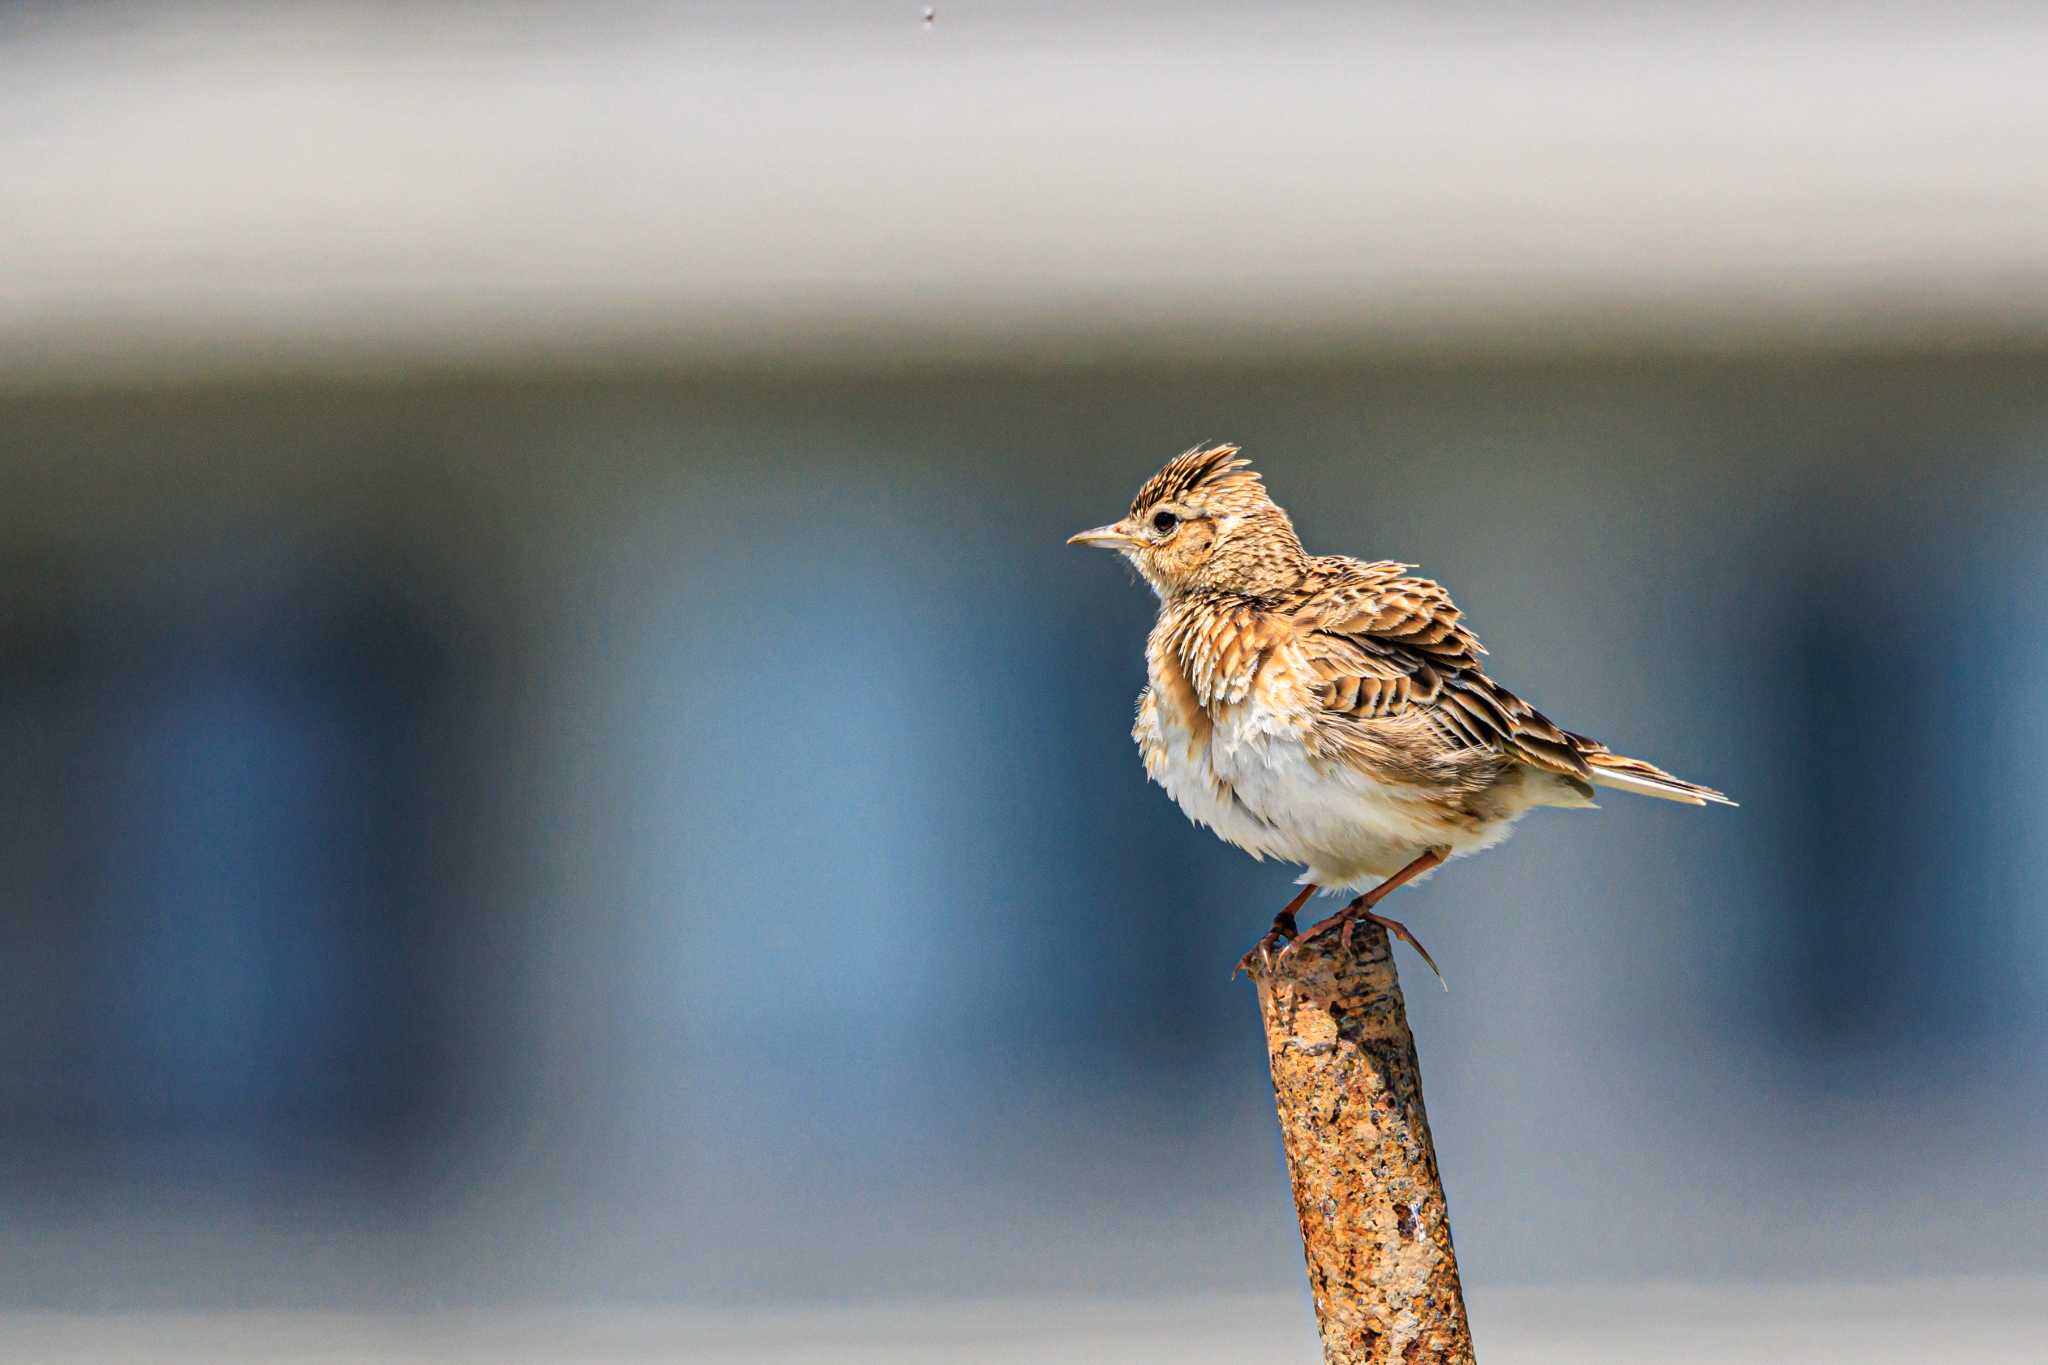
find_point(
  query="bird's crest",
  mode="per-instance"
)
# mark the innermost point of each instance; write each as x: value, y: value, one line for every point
x: 1211, y: 468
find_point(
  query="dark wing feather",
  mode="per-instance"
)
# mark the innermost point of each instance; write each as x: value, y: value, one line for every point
x: 1384, y: 645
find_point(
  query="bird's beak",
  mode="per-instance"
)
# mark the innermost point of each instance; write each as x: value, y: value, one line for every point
x: 1103, y: 537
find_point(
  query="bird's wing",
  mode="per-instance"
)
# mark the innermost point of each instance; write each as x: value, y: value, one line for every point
x: 1379, y: 645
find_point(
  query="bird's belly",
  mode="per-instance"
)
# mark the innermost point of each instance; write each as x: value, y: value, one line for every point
x: 1253, y: 780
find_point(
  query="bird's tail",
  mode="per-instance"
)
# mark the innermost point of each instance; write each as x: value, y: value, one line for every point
x: 1610, y: 769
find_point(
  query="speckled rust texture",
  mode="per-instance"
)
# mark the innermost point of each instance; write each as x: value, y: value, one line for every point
x: 1374, y: 1225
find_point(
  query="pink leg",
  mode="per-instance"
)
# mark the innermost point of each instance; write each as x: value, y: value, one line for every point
x: 1362, y: 909
x: 1283, y: 928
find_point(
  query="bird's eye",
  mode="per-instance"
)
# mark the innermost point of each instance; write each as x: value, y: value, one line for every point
x: 1162, y: 522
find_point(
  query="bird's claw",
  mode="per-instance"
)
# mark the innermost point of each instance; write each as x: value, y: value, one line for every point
x: 1346, y: 920
x: 1283, y: 929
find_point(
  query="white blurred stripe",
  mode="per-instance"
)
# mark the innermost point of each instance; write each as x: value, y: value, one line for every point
x: 356, y: 178
x: 1985, y: 1322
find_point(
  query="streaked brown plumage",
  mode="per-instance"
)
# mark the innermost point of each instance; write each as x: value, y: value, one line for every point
x: 1328, y: 711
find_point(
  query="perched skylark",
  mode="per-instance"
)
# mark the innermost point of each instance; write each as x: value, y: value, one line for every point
x: 1329, y: 712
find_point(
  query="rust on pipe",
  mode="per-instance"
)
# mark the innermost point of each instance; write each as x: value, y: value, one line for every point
x: 1374, y: 1225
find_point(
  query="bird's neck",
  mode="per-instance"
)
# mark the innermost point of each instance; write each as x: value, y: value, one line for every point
x: 1256, y: 555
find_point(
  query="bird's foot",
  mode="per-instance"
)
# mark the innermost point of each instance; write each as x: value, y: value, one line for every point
x: 1263, y: 952
x: 1345, y: 920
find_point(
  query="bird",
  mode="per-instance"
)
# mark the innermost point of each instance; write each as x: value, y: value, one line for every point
x: 1331, y: 712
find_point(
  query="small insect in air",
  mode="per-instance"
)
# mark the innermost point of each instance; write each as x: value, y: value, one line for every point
x: 930, y: 14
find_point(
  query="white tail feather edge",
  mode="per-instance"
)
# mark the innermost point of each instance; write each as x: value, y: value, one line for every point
x: 1650, y: 786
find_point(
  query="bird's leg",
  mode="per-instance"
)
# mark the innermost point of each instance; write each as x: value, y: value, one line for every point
x: 1361, y: 908
x: 1283, y: 928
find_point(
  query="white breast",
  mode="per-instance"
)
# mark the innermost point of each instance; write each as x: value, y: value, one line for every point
x: 1256, y: 784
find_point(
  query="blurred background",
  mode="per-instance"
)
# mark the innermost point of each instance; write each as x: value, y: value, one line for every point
x: 561, y: 796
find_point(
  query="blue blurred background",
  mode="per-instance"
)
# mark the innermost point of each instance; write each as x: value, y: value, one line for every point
x: 551, y: 750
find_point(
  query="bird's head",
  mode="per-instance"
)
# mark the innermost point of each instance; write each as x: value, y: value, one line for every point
x: 1205, y: 522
